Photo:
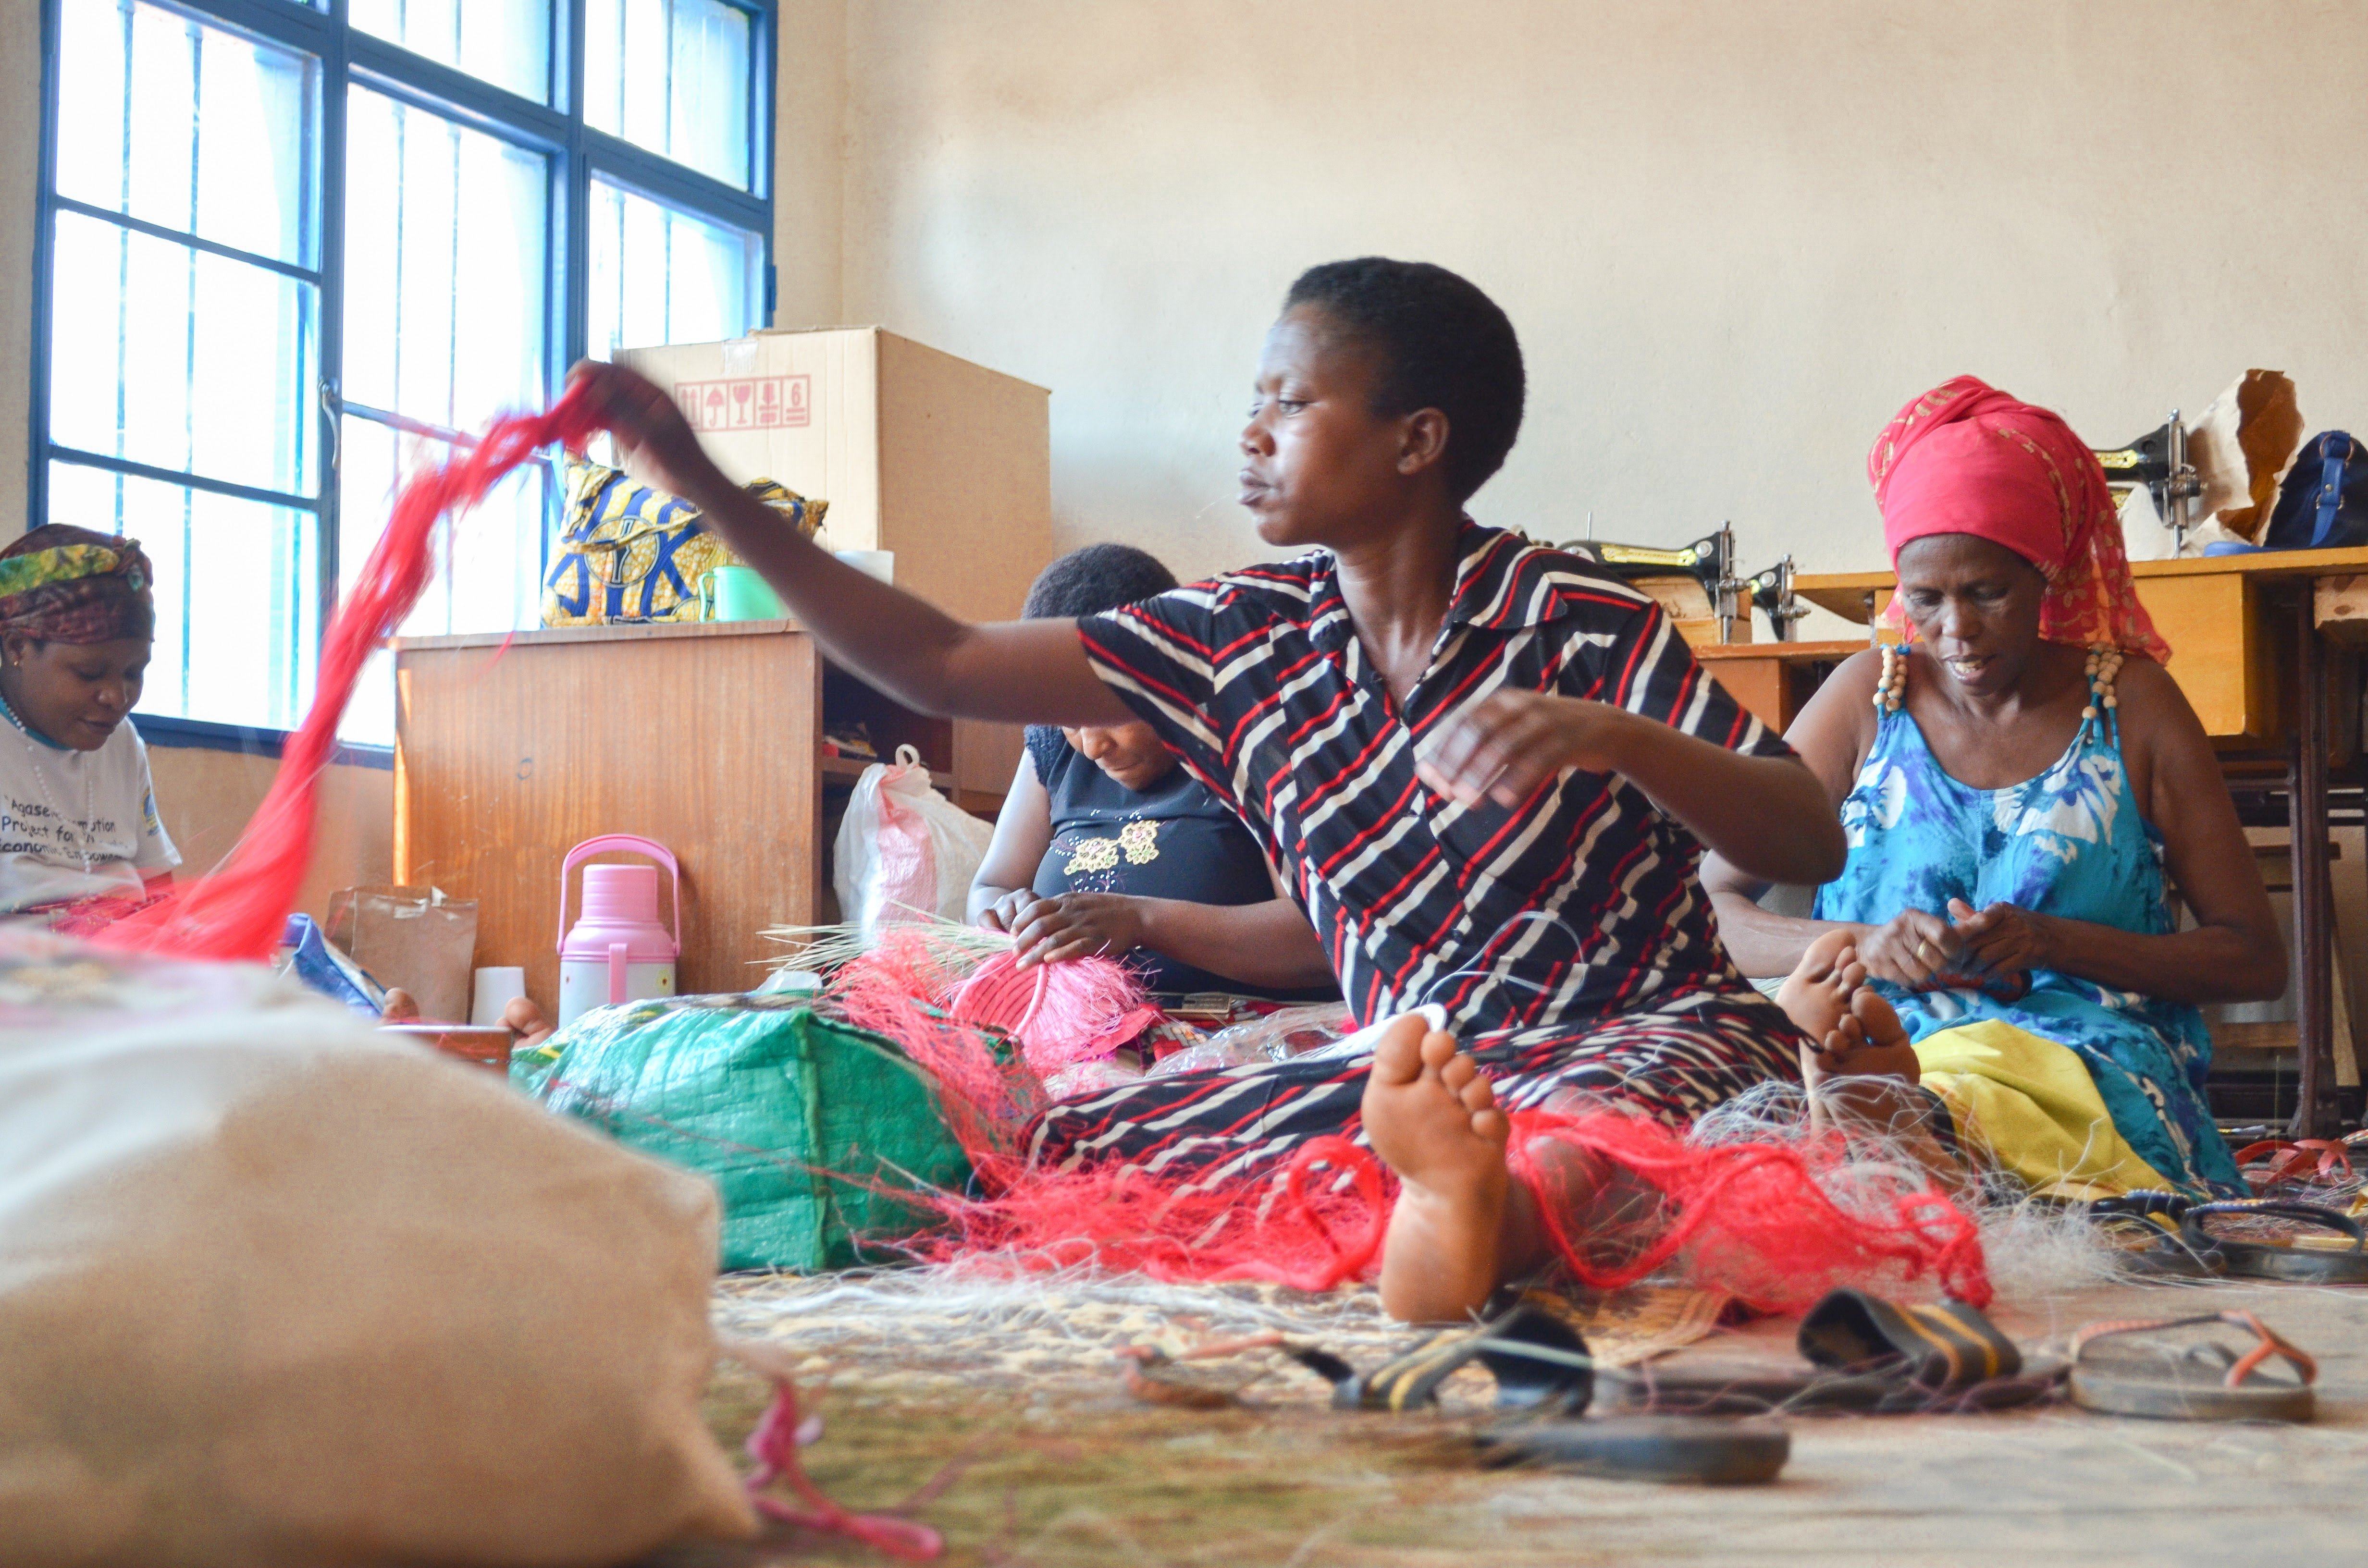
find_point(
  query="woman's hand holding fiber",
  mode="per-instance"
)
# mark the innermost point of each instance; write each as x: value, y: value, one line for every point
x: 1003, y: 914
x: 1912, y: 949
x: 652, y: 438
x: 1503, y: 747
x: 2001, y: 939
x: 1077, y: 926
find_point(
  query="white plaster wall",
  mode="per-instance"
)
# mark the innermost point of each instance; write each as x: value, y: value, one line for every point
x: 1733, y: 234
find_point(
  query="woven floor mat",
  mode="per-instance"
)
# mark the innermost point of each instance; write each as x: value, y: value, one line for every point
x: 916, y: 1329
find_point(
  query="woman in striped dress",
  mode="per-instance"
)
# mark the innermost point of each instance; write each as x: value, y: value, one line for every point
x: 1486, y: 771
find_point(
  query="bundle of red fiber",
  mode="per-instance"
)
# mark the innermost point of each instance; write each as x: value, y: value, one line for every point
x: 1762, y: 1220
x: 904, y: 988
x: 239, y: 909
x: 1061, y: 1014
x: 1755, y: 1219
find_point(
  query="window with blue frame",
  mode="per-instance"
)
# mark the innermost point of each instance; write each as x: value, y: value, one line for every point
x: 292, y: 250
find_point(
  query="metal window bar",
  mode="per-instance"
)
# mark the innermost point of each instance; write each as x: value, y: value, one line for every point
x: 324, y: 31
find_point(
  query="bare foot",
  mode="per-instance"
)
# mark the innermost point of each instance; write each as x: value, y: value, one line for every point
x: 1433, y: 1119
x: 1816, y: 994
x: 1869, y: 1042
x: 1857, y: 1033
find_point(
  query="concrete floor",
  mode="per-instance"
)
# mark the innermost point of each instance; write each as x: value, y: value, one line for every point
x: 1113, y: 1481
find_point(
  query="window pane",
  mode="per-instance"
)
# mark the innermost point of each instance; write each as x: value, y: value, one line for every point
x: 506, y: 42
x: 672, y: 75
x: 167, y: 356
x: 445, y: 230
x: 661, y: 275
x: 188, y: 126
x: 236, y: 621
x: 488, y: 580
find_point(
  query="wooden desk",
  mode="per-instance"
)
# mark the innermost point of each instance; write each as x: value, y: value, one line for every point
x: 2250, y: 637
x: 705, y: 738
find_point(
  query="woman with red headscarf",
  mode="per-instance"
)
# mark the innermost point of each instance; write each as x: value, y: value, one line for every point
x: 79, y: 838
x: 2014, y: 781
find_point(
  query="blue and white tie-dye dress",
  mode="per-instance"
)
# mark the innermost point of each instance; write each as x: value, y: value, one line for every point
x: 2071, y: 843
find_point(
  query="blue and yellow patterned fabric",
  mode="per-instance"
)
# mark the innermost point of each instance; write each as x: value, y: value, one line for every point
x: 630, y: 553
x: 2071, y: 843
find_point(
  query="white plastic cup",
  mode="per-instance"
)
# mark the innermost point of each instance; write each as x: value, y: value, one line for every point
x: 496, y: 989
x: 880, y: 564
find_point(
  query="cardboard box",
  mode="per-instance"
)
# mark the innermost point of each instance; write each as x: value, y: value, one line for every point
x: 945, y: 462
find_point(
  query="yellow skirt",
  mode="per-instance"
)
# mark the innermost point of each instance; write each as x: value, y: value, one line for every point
x: 2027, y: 1106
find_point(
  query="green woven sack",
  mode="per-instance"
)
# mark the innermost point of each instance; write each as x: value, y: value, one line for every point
x: 797, y: 1118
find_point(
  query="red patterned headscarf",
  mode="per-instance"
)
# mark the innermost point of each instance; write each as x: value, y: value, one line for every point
x: 68, y: 584
x: 1966, y: 458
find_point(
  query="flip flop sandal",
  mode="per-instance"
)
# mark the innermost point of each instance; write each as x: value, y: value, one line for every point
x: 1540, y: 1362
x: 2167, y: 1252
x: 2243, y: 1259
x: 1645, y: 1448
x: 1865, y: 1354
x: 2305, y: 1157
x: 2195, y: 1382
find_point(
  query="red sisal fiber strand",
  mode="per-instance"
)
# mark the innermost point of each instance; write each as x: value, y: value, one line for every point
x: 1757, y: 1218
x: 773, y: 1447
x: 1312, y: 1226
x: 239, y: 909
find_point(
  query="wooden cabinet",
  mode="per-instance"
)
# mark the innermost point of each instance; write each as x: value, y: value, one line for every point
x: 705, y: 738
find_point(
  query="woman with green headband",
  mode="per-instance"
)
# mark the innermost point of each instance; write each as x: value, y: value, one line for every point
x: 79, y: 835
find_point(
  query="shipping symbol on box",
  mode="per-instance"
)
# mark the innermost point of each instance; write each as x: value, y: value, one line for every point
x: 746, y: 402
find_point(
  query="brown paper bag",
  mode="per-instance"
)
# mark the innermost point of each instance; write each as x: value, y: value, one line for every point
x: 2240, y: 447
x: 413, y: 937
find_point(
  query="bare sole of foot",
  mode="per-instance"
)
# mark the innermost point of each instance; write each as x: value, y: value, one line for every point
x: 1816, y: 994
x: 1433, y: 1119
x: 1857, y: 1033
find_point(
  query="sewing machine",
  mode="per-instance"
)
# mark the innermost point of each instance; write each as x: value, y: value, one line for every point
x: 1709, y: 561
x: 2158, y: 460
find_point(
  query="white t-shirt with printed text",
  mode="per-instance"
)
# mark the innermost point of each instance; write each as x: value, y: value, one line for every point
x: 57, y: 805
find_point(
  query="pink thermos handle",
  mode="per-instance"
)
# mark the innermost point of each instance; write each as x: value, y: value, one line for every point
x: 617, y: 953
x: 637, y: 846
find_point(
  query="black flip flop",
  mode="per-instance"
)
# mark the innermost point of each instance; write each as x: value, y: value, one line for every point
x: 1865, y: 1354
x: 2205, y: 1381
x: 2167, y: 1254
x: 1540, y: 1362
x: 2241, y: 1259
x: 1645, y: 1448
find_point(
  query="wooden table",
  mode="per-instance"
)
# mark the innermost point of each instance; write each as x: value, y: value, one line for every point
x: 2250, y: 637
x: 705, y: 738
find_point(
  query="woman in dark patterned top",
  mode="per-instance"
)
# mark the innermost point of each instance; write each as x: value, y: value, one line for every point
x: 1487, y: 772
x: 1105, y: 845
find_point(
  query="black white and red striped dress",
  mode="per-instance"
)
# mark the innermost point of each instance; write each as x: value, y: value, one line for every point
x: 1568, y: 939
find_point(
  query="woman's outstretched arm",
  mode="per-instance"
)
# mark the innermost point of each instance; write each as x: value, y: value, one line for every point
x: 1030, y: 671
x: 2236, y: 953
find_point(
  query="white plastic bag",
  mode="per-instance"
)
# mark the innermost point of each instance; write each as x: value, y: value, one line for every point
x: 277, y: 1289
x: 903, y: 850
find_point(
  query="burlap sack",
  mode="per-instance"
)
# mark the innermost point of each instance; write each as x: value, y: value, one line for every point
x: 275, y: 1289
